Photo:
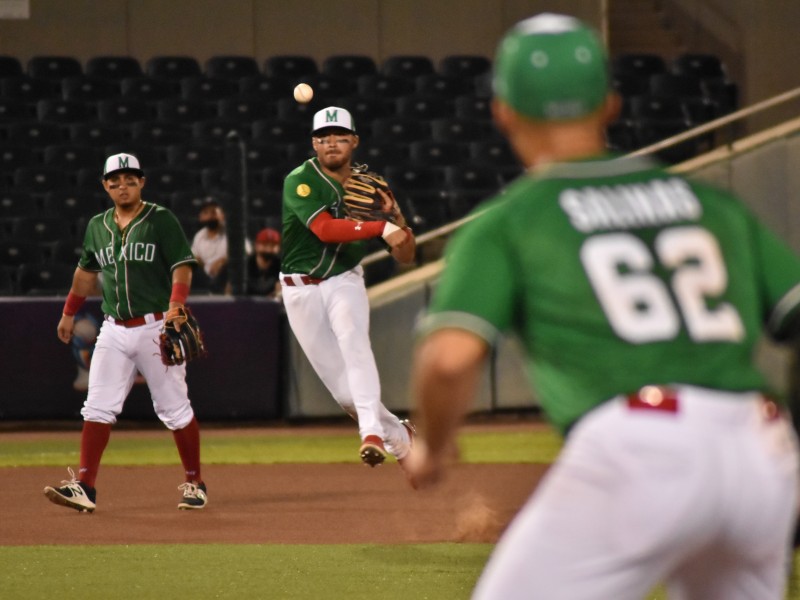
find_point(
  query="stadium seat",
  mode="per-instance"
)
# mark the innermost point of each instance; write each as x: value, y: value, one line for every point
x: 28, y: 89
x: 287, y: 108
x: 16, y: 204
x: 10, y: 66
x: 34, y: 134
x: 629, y: 84
x: 16, y: 252
x: 42, y: 229
x: 481, y: 178
x: 113, y: 68
x: 702, y: 66
x: 643, y: 64
x: 383, y: 86
x: 54, y: 68
x: 174, y: 68
x: 180, y: 110
x: 194, y: 156
x: 723, y: 94
x: 400, y: 130
x: 148, y: 89
x: 73, y: 203
x: 350, y: 66
x: 412, y: 178
x: 290, y: 66
x: 408, y: 66
x: 495, y: 152
x: 621, y: 136
x: 67, y: 251
x: 166, y: 180
x: 260, y: 155
x: 160, y: 133
x: 263, y: 202
x: 97, y: 134
x: 54, y: 110
x: 15, y: 110
x: 447, y: 86
x: 438, y: 154
x: 424, y: 106
x: 207, y: 89
x: 123, y: 110
x: 470, y: 106
x: 216, y: 131
x: 45, y: 278
x: 280, y: 131
x: 8, y: 286
x: 659, y: 108
x: 461, y: 130
x: 366, y: 109
x: 245, y: 109
x: 231, y: 67
x: 73, y: 157
x: 272, y: 177
x: 426, y: 210
x: 298, y: 153
x: 267, y: 88
x: 675, y: 86
x: 464, y: 65
x: 41, y: 179
x: 12, y: 157
x: 89, y: 89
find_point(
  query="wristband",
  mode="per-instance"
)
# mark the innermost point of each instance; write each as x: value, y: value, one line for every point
x: 73, y: 304
x: 389, y: 229
x: 180, y: 292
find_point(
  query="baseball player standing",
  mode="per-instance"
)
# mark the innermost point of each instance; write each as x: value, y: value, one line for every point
x: 146, y: 265
x: 323, y: 284
x: 639, y: 297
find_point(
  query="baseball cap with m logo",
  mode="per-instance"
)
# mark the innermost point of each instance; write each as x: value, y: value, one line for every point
x: 333, y: 117
x: 117, y: 163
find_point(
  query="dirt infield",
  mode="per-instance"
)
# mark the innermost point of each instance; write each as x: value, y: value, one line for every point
x: 316, y: 504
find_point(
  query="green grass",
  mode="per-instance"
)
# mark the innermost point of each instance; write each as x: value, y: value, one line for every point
x: 512, y: 447
x: 404, y: 572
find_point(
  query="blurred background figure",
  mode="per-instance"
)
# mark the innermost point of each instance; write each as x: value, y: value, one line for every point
x: 210, y: 248
x: 264, y: 265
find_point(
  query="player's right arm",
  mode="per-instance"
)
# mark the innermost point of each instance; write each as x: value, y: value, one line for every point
x: 83, y: 283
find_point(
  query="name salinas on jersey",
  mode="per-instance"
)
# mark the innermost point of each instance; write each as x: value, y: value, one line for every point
x: 630, y: 206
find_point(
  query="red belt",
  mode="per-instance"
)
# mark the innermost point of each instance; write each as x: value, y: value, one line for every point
x: 653, y: 397
x: 306, y: 279
x: 138, y: 321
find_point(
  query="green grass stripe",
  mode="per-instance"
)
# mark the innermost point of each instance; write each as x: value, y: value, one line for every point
x: 249, y: 448
x: 402, y: 572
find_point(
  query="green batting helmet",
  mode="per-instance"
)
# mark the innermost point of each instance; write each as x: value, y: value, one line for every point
x: 551, y: 67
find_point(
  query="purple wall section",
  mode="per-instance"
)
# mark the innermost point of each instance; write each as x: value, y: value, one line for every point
x: 240, y: 379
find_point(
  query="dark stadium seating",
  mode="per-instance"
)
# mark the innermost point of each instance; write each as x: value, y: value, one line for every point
x: 59, y: 121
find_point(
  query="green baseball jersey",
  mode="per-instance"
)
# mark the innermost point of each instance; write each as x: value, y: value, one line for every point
x: 135, y: 264
x: 616, y: 274
x: 307, y: 192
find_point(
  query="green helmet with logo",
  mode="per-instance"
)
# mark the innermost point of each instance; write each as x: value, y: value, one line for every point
x: 551, y: 67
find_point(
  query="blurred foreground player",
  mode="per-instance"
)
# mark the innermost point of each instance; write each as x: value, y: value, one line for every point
x: 639, y: 297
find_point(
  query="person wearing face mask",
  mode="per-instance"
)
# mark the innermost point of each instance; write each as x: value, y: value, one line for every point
x: 264, y: 265
x: 210, y: 246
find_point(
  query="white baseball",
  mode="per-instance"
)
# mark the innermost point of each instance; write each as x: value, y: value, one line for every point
x: 303, y: 93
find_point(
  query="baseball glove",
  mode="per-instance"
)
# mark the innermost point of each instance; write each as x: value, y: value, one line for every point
x: 181, y: 339
x: 367, y: 197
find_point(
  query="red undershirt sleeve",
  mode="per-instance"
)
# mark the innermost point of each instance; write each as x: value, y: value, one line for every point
x: 330, y: 230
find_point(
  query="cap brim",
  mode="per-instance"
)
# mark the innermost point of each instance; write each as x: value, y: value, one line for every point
x: 137, y: 172
x: 331, y: 129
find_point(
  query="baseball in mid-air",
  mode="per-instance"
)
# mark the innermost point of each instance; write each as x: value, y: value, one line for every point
x: 303, y: 93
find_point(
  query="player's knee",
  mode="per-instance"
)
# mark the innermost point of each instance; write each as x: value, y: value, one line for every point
x: 98, y: 415
x: 176, y: 418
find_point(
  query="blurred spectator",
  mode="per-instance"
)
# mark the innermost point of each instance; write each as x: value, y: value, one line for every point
x: 264, y: 265
x: 210, y: 247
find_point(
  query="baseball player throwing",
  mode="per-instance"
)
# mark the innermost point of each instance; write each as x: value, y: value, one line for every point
x: 146, y: 266
x: 639, y: 297
x: 323, y: 284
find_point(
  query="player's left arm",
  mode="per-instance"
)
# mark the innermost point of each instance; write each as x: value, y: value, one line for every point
x: 181, y: 285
